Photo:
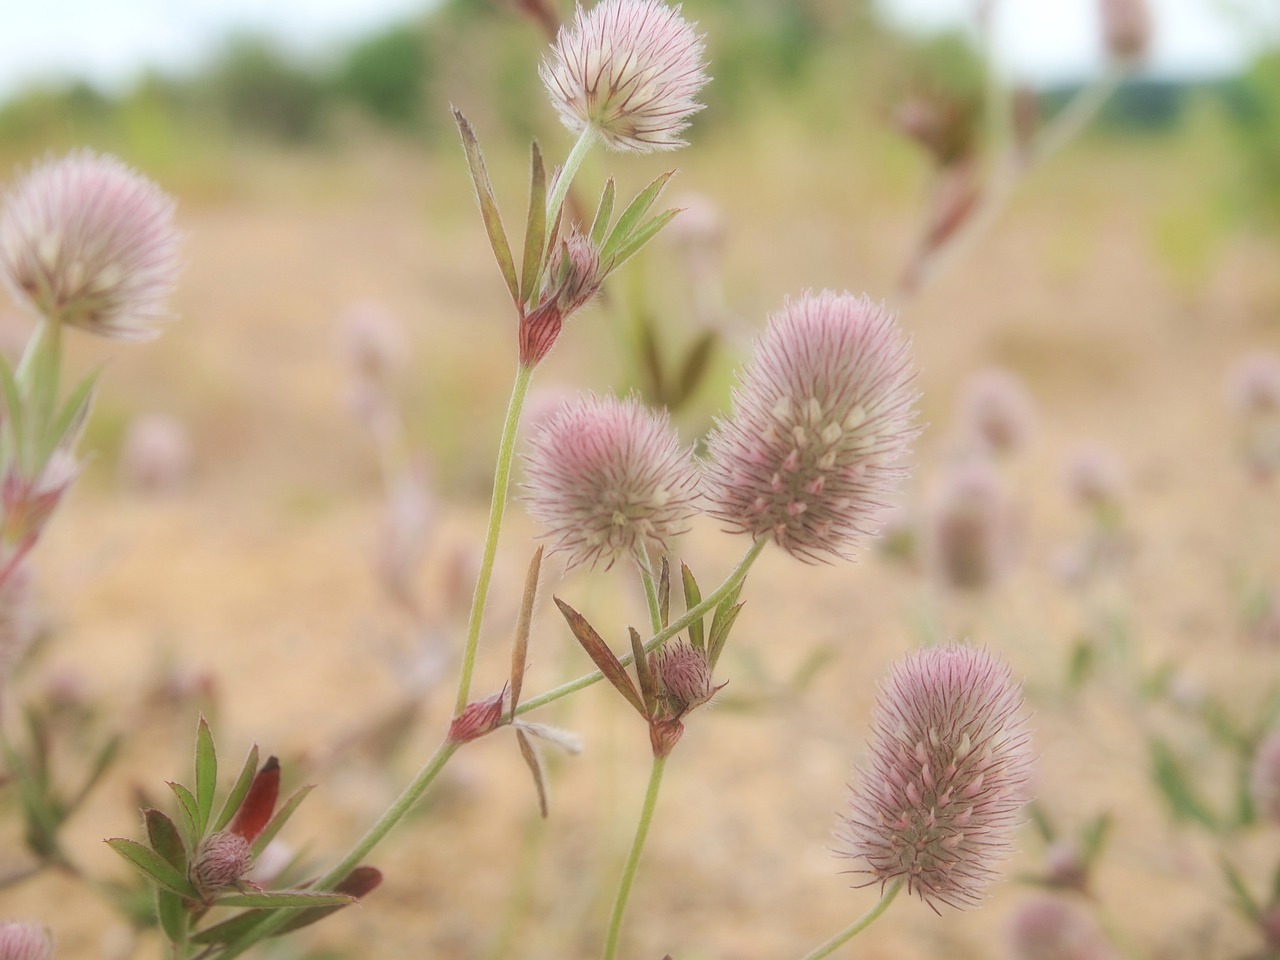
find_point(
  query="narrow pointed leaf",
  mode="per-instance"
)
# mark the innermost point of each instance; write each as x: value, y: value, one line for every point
x: 101, y: 763
x: 488, y: 205
x: 280, y: 819
x: 692, y: 597
x: 14, y: 415
x: 648, y: 689
x: 1095, y: 837
x: 237, y: 794
x: 631, y: 217
x: 65, y: 429
x: 651, y: 359
x: 520, y: 647
x: 154, y: 866
x: 1244, y: 899
x: 259, y: 802
x: 172, y: 913
x: 603, y: 212
x: 165, y: 839
x: 1172, y: 780
x: 695, y: 367
x: 357, y: 884
x: 664, y: 593
x: 632, y: 245
x: 600, y: 653
x: 206, y: 773
x: 535, y: 767
x: 285, y: 900
x: 720, y: 627
x: 188, y: 814
x: 535, y: 231
x: 553, y: 235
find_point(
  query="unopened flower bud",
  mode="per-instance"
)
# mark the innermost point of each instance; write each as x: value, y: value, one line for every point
x: 1264, y: 778
x: 29, y: 501
x: 997, y: 410
x: 574, y: 273
x: 477, y: 719
x: 1051, y: 928
x: 24, y: 941
x: 1095, y: 480
x: 685, y: 676
x: 224, y: 858
x: 1126, y: 28
x: 972, y: 528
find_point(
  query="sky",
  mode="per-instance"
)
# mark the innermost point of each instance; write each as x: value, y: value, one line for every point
x: 109, y: 42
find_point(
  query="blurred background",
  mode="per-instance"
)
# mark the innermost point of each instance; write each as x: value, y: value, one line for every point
x: 291, y: 549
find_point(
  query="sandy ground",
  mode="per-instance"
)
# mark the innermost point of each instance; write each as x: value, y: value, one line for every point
x: 259, y: 573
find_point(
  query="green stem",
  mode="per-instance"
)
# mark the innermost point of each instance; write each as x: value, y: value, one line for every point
x: 501, y: 481
x: 708, y: 604
x: 855, y: 928
x: 572, y: 163
x: 633, y: 858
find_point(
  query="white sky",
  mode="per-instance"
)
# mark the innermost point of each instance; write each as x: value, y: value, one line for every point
x: 110, y: 41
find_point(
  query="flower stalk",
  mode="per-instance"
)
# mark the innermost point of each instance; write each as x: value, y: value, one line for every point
x: 855, y: 928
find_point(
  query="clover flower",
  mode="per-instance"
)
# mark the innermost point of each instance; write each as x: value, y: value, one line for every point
x: 87, y: 242
x: 606, y: 477
x: 24, y: 941
x: 823, y: 417
x: 629, y: 69
x: 997, y: 410
x: 938, y: 801
x: 972, y: 533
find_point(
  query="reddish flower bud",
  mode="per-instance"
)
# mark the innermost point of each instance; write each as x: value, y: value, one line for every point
x: 223, y: 859
x: 479, y: 718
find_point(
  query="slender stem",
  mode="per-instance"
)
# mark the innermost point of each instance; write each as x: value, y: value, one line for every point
x: 1077, y: 114
x: 633, y: 858
x: 572, y: 162
x: 855, y: 928
x: 501, y: 481
x: 708, y: 603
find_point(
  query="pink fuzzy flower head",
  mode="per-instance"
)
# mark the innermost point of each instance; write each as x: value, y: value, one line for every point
x: 950, y: 757
x: 87, y: 242
x: 997, y: 411
x: 1126, y: 28
x: 24, y: 941
x: 823, y: 417
x: 156, y: 454
x: 606, y: 477
x: 630, y: 69
x: 1051, y: 928
x: 684, y: 675
x: 223, y: 859
x: 1265, y: 778
x: 972, y: 527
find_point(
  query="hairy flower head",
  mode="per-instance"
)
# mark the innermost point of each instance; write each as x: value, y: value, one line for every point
x: 823, y: 417
x: 997, y: 410
x: 972, y: 533
x: 24, y: 941
x: 87, y: 242
x: 630, y: 69
x: 938, y: 801
x: 1052, y: 928
x: 608, y: 476
x: 223, y: 859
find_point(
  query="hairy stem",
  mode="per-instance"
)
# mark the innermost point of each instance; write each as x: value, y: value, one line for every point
x: 855, y: 928
x: 633, y: 858
x: 572, y: 163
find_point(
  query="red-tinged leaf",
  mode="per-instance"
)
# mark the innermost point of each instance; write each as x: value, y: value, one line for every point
x: 648, y: 686
x: 239, y: 791
x: 520, y: 646
x: 600, y: 653
x: 165, y: 839
x: 154, y: 866
x: 692, y: 597
x: 206, y: 773
x: 488, y: 205
x: 664, y: 593
x: 534, y: 763
x: 535, y: 231
x: 259, y: 803
x: 276, y: 823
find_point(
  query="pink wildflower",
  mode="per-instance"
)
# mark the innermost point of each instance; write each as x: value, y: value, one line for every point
x: 822, y: 420
x: 950, y: 757
x: 997, y: 410
x: 1051, y: 928
x: 606, y: 477
x: 24, y: 941
x: 629, y: 69
x: 972, y: 527
x: 87, y: 242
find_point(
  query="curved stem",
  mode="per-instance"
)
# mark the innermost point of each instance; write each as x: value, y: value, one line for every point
x: 662, y: 636
x: 497, y: 506
x: 572, y: 163
x: 855, y: 928
x: 633, y: 858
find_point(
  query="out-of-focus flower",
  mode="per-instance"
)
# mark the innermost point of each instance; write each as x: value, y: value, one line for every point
x: 371, y: 341
x: 996, y: 410
x: 87, y: 242
x: 29, y: 501
x: 1051, y: 928
x: 408, y: 523
x: 24, y: 941
x: 823, y: 418
x: 1126, y: 28
x: 972, y: 530
x: 607, y: 477
x: 1265, y: 778
x: 630, y: 69
x: 1095, y: 479
x: 939, y: 799
x: 1253, y: 390
x: 156, y: 454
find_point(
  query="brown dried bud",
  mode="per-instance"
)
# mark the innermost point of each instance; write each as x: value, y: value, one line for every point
x: 479, y: 718
x: 223, y: 859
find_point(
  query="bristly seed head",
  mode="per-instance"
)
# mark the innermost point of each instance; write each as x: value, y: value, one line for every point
x: 823, y: 418
x: 606, y: 477
x: 939, y: 799
x: 631, y: 69
x: 87, y: 242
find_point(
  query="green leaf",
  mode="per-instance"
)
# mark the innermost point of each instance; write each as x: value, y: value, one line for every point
x: 1040, y: 819
x: 692, y: 597
x: 1095, y: 837
x: 602, y: 656
x: 1244, y: 899
x: 101, y: 763
x: 236, y: 796
x: 520, y: 645
x: 14, y: 415
x: 488, y: 205
x: 664, y: 593
x: 622, y: 230
x: 603, y: 212
x: 648, y: 687
x: 65, y: 430
x: 154, y: 866
x: 284, y: 900
x: 277, y: 822
x: 172, y: 912
x: 357, y: 883
x: 535, y: 230
x: 632, y: 245
x: 695, y: 366
x: 206, y: 774
x: 165, y: 839
x: 1172, y: 781
x: 651, y: 358
x: 189, y: 814
x: 720, y: 627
